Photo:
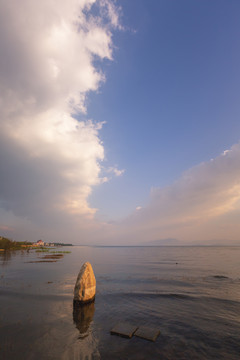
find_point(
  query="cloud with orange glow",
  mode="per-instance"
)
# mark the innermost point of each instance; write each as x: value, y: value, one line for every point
x: 202, y: 205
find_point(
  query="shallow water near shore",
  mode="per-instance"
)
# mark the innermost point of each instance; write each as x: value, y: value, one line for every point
x: 192, y: 294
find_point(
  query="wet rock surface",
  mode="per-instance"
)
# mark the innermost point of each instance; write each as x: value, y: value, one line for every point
x: 128, y: 330
x: 124, y: 329
x: 147, y: 333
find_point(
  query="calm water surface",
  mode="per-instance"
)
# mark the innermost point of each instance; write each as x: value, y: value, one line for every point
x: 191, y: 294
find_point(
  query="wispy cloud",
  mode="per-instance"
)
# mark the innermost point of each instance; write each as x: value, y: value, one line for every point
x: 114, y: 170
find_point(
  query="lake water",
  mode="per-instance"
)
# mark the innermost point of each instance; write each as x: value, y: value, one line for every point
x: 191, y: 294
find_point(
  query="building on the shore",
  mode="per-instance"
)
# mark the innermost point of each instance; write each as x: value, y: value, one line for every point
x: 39, y: 243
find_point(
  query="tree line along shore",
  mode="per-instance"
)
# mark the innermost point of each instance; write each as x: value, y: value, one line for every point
x: 8, y: 244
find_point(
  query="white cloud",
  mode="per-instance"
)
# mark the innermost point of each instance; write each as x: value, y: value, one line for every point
x: 51, y: 161
x: 225, y: 152
x: 115, y: 171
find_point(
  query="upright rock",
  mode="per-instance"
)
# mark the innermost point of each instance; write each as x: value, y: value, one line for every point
x: 85, y: 288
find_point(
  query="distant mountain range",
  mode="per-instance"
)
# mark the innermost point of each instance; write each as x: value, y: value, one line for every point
x: 163, y: 242
x: 176, y: 242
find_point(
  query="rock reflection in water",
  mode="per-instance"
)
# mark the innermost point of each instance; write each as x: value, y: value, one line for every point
x: 82, y: 317
x: 85, y: 347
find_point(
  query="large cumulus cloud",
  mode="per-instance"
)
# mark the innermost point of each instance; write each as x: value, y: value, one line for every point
x: 50, y: 160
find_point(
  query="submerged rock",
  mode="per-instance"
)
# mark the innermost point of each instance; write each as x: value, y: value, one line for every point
x: 147, y: 333
x: 124, y: 329
x: 85, y: 288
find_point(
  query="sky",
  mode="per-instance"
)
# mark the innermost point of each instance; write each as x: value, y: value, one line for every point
x: 119, y: 121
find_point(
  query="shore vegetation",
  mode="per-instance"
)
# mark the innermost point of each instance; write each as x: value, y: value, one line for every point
x: 52, y: 251
x: 8, y: 244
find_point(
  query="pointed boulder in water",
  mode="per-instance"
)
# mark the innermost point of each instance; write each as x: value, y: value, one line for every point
x: 85, y: 288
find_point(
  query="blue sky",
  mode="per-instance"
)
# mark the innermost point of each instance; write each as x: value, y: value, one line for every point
x: 119, y: 121
x: 171, y: 99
